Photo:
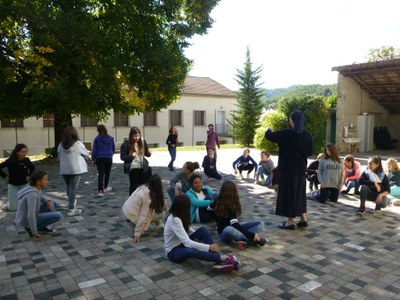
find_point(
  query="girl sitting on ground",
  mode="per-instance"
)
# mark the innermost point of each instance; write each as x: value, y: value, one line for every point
x: 352, y: 173
x: 144, y: 206
x: 225, y: 210
x: 311, y: 173
x: 181, y: 242
x: 394, y: 180
x: 184, y: 178
x: 330, y: 175
x: 200, y: 198
x: 374, y: 185
x: 210, y: 165
x: 265, y: 167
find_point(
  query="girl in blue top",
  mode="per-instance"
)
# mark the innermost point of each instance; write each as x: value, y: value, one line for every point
x: 200, y: 198
x: 245, y: 163
x: 102, y: 155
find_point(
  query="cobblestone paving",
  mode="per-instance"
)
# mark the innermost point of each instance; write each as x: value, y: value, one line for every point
x: 339, y: 256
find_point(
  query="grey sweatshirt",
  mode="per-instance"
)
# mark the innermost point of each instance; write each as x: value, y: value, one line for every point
x: 29, y: 202
x: 330, y: 173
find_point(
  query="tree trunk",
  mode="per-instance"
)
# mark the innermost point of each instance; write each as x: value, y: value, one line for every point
x: 61, y: 121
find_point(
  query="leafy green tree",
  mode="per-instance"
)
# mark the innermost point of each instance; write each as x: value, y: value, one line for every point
x: 245, y: 120
x: 89, y: 56
x: 315, y: 112
x: 383, y: 53
x: 277, y: 121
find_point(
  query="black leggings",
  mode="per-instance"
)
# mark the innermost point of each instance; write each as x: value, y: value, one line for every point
x: 104, y: 165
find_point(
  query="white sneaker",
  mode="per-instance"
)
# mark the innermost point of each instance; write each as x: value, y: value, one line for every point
x: 109, y: 188
x: 74, y: 212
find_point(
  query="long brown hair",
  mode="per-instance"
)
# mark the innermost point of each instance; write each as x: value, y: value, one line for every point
x: 228, y: 199
x: 156, y: 193
x: 131, y: 142
x: 70, y: 137
x: 102, y: 130
x: 350, y: 159
x: 333, y: 153
x: 180, y: 208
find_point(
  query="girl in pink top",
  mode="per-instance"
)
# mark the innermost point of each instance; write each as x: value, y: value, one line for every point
x: 352, y: 173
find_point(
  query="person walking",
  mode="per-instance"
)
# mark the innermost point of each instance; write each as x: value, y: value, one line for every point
x: 182, y: 243
x: 133, y: 152
x: 295, y: 145
x: 212, y: 140
x: 172, y: 142
x: 35, y: 212
x: 72, y: 154
x: 102, y: 158
x: 19, y: 168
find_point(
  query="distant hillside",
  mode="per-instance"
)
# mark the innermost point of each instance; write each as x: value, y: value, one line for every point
x: 272, y: 96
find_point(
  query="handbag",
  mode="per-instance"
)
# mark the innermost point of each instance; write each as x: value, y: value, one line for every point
x: 127, y: 167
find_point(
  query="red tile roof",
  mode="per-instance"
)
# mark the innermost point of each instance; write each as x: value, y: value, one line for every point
x: 206, y: 86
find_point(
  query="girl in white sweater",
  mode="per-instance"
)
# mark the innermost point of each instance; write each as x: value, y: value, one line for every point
x: 145, y: 205
x: 179, y: 245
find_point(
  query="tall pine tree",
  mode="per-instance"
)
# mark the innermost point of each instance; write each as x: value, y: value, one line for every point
x: 245, y: 120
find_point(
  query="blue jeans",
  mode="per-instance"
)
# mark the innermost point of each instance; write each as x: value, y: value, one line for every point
x: 328, y: 193
x: 181, y: 253
x: 72, y: 182
x: 212, y: 172
x: 46, y: 217
x: 172, y: 152
x: 268, y: 176
x: 12, y: 196
x: 231, y: 233
x: 352, y: 184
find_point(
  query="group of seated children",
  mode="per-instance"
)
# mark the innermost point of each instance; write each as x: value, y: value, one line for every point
x: 372, y: 184
x: 194, y: 202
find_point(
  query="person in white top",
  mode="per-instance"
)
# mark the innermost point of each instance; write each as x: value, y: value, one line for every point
x: 179, y: 245
x: 72, y: 153
x: 144, y: 206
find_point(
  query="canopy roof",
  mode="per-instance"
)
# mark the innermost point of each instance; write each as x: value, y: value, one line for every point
x: 381, y: 79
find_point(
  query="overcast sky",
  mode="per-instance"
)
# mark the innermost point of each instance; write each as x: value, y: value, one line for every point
x: 296, y: 42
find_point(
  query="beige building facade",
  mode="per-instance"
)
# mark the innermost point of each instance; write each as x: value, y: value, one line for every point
x: 202, y: 102
x: 366, y: 99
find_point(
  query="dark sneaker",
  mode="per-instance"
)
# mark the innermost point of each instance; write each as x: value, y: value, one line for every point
x: 361, y: 210
x: 29, y: 232
x: 378, y: 207
x: 344, y: 192
x: 241, y: 245
x: 261, y: 242
x: 46, y: 230
x: 356, y: 193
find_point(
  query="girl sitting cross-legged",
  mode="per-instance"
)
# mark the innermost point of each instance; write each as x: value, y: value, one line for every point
x: 225, y: 210
x: 181, y: 243
x: 200, y: 198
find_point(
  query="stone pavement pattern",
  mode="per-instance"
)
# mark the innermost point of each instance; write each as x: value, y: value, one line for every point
x: 91, y: 256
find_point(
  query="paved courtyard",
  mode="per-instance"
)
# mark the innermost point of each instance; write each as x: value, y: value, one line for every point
x: 339, y: 256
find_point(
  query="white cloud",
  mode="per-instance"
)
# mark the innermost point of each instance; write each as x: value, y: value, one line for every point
x: 297, y: 42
